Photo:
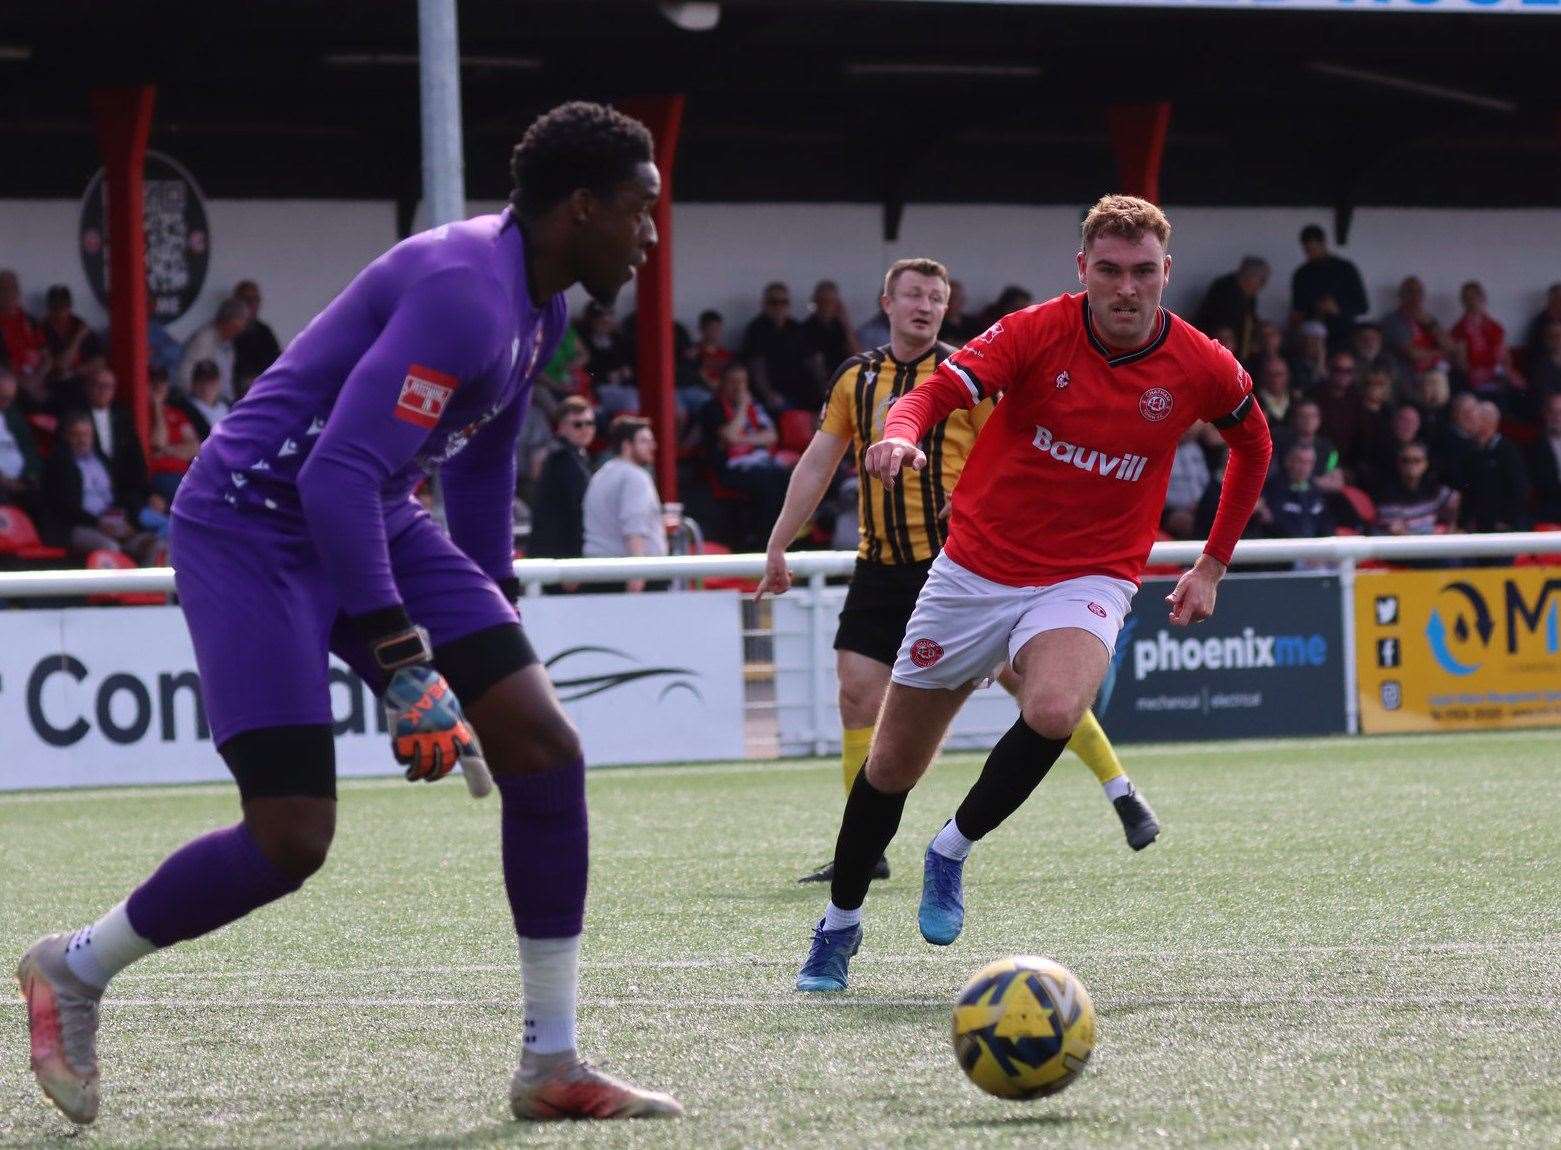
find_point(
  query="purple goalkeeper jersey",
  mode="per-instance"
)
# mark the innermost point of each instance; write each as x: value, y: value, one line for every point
x: 423, y: 363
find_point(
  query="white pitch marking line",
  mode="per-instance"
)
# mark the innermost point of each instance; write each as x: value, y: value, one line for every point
x: 747, y: 961
x: 792, y: 998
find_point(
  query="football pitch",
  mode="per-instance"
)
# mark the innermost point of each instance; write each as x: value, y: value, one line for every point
x: 1334, y: 943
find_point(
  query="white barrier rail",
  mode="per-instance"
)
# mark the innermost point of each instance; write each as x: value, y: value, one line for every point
x: 535, y: 574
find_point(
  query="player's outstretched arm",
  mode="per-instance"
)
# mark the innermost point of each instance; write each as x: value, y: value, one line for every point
x: 809, y: 480
x: 1245, y: 430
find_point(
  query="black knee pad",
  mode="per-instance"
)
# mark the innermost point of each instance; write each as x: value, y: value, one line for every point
x: 473, y: 663
x: 283, y: 762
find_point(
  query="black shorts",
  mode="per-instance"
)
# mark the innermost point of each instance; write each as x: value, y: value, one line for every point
x: 877, y: 608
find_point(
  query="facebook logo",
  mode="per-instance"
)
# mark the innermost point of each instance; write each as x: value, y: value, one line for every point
x: 1387, y: 652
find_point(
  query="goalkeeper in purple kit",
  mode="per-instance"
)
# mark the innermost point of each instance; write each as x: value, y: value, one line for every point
x: 296, y: 533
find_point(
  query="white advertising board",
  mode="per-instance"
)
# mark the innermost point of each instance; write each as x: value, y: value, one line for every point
x: 986, y: 715
x: 110, y: 696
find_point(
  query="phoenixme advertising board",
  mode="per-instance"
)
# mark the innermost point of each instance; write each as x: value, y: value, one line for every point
x: 1270, y: 662
x: 1458, y: 649
x: 109, y: 696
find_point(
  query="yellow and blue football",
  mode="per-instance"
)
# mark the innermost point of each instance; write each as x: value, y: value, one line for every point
x: 1023, y: 1027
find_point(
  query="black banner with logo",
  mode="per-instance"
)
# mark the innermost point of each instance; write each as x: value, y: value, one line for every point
x: 1269, y: 663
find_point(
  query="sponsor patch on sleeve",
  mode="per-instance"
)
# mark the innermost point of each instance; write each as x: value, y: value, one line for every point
x: 424, y: 394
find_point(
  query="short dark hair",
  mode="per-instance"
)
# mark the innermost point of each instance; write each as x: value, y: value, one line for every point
x: 623, y: 430
x: 205, y: 369
x: 710, y: 315
x: 1313, y: 232
x: 576, y: 145
x: 59, y: 293
x: 572, y: 405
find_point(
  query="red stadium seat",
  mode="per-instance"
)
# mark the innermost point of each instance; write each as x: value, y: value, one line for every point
x: 106, y: 560
x: 794, y: 431
x: 746, y: 586
x: 19, y: 539
x: 1361, y: 502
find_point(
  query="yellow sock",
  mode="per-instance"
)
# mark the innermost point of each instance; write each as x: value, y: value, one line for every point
x: 1089, y: 742
x: 854, y: 742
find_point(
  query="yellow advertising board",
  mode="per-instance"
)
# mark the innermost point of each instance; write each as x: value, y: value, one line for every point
x: 1458, y: 649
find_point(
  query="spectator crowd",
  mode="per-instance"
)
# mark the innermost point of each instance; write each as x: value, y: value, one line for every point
x: 1395, y: 424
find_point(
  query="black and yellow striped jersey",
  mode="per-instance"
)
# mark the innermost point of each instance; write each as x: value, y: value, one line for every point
x: 902, y: 524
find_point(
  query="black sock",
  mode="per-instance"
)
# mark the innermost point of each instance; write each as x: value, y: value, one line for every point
x: 866, y: 829
x: 1015, y: 767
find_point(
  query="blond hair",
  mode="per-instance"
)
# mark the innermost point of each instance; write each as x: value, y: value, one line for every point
x: 1128, y: 217
x: 918, y: 264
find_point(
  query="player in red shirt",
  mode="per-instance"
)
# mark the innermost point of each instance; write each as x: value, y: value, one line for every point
x: 1057, y: 510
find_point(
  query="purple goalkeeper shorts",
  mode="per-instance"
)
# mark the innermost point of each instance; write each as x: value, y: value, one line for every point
x: 263, y: 615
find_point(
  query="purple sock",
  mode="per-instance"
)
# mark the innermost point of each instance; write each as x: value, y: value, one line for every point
x: 205, y: 884
x: 545, y: 843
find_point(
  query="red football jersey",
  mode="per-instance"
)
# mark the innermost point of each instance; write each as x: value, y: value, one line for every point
x: 1068, y: 476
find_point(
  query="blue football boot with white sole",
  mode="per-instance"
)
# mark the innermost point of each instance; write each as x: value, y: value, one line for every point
x: 828, y: 957
x: 942, y: 913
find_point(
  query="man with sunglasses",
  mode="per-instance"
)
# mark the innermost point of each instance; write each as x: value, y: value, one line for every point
x: 557, y: 516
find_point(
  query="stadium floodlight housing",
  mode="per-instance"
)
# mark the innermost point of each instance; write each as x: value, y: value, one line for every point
x: 364, y: 59
x: 692, y: 15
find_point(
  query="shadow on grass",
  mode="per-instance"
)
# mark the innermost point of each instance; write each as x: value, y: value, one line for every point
x: 1045, y: 1120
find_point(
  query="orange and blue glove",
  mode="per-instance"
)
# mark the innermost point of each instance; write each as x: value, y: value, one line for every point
x: 428, y: 732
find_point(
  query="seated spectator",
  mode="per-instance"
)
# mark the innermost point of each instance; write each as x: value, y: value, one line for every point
x: 1381, y: 465
x: 622, y: 511
x: 1295, y: 507
x: 256, y: 347
x: 705, y: 359
x: 612, y: 375
x: 204, y: 404
x: 117, y: 442
x: 1544, y: 363
x: 1534, y: 335
x: 739, y: 437
x: 1371, y: 355
x: 1545, y: 463
x: 827, y: 334
x: 557, y: 523
x: 1478, y: 345
x: 958, y: 327
x: 1231, y: 302
x: 213, y: 343
x: 21, y: 468
x: 1412, y: 500
x: 1189, y: 480
x: 1375, y: 446
x: 1433, y: 399
x: 1305, y: 422
x: 163, y: 349
x: 82, y: 508
x: 1338, y: 402
x: 65, y: 333
x: 1459, y: 437
x: 171, y: 439
x: 21, y: 339
x: 1309, y: 364
x: 1411, y: 332
x: 1493, y: 481
x: 1272, y: 383
x: 776, y: 351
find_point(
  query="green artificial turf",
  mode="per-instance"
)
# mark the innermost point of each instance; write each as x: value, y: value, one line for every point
x: 1334, y: 943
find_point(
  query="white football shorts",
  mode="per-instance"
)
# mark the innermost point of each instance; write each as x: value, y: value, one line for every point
x: 964, y: 626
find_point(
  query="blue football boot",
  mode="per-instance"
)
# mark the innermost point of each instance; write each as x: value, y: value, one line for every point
x: 828, y: 957
x: 942, y: 913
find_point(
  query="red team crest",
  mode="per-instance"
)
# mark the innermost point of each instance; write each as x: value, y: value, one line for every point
x: 424, y: 394
x: 924, y: 653
x: 1155, y: 404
